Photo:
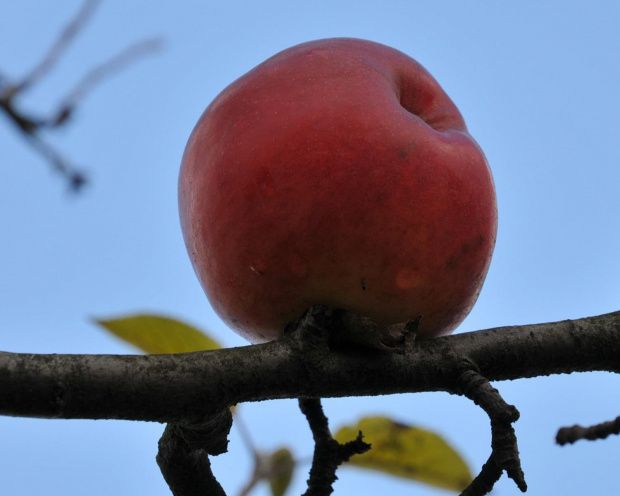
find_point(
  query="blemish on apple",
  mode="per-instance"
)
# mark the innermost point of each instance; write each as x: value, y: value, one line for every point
x: 407, y: 279
x: 404, y: 152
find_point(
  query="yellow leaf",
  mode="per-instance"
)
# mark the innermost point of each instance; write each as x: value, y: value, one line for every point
x: 155, y: 334
x: 408, y: 452
x: 281, y: 471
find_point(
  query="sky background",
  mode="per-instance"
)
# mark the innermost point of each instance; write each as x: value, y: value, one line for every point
x: 537, y: 83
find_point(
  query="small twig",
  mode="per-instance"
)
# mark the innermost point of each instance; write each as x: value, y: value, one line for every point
x: 265, y: 466
x: 329, y: 454
x: 251, y: 484
x: 29, y: 128
x: 257, y: 475
x: 483, y: 483
x: 60, y: 45
x: 570, y: 435
x: 76, y: 178
x: 183, y: 455
x: 245, y: 434
x: 505, y: 452
x: 103, y: 71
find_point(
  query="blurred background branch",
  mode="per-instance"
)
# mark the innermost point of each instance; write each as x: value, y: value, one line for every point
x: 31, y: 125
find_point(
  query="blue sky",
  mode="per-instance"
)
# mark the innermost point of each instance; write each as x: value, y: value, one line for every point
x: 537, y: 84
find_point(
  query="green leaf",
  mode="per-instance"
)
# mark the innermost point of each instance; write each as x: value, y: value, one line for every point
x: 408, y: 452
x: 155, y: 334
x: 281, y: 471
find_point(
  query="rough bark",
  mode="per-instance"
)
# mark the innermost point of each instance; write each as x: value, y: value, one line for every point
x: 188, y: 387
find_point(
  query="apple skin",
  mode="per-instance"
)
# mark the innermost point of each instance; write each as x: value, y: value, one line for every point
x: 337, y: 172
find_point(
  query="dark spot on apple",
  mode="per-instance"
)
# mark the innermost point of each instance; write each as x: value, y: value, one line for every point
x: 451, y: 263
x: 363, y: 281
x: 468, y: 248
x: 472, y: 245
x: 404, y: 152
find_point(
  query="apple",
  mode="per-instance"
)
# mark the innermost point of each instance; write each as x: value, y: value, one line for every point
x: 337, y: 172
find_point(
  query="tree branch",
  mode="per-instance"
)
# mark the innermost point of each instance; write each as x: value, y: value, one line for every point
x: 570, y: 435
x: 505, y: 453
x: 192, y: 391
x: 32, y: 126
x: 186, y: 387
x: 183, y: 451
x: 329, y: 454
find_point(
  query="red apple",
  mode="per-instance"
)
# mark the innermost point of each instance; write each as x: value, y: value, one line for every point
x: 337, y: 172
